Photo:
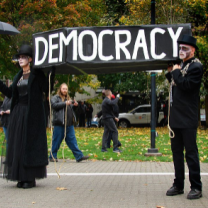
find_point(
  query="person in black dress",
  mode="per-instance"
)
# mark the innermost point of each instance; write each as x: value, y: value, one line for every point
x: 27, y: 152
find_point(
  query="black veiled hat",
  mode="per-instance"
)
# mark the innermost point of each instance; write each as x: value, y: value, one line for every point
x: 189, y: 40
x: 25, y: 50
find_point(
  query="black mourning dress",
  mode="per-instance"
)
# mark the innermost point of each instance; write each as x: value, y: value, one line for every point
x: 14, y: 168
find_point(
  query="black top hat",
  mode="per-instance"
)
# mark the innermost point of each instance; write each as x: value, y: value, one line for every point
x: 25, y: 50
x: 189, y: 40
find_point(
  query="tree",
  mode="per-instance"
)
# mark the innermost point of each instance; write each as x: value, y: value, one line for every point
x: 77, y: 83
x: 115, y: 10
x: 199, y: 19
x: 32, y: 16
x: 124, y: 82
x: 167, y: 12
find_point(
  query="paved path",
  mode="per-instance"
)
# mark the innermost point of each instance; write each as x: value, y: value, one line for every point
x: 99, y: 184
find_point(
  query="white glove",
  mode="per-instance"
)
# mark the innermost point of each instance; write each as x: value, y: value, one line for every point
x: 118, y: 95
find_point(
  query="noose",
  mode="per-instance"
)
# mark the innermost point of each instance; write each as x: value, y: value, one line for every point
x: 183, y: 72
x: 171, y: 132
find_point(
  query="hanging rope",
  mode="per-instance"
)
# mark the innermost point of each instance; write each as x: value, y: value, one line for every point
x: 172, y: 83
x: 171, y: 132
x: 55, y: 164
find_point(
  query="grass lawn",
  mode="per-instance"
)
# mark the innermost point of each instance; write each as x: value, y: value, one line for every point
x: 135, y: 143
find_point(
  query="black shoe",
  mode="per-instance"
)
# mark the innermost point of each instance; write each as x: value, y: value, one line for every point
x: 53, y: 160
x: 29, y: 184
x: 174, y: 191
x: 83, y: 158
x: 194, y: 194
x: 104, y: 150
x: 19, y: 184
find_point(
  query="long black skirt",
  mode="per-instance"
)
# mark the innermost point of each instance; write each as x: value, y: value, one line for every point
x: 13, y: 166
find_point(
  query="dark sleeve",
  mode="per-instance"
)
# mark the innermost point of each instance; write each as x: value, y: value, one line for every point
x: 112, y: 102
x: 1, y: 108
x: 56, y: 104
x: 168, y: 76
x: 73, y: 107
x: 116, y: 110
x: 99, y: 114
x: 6, y: 90
x: 44, y: 81
x: 190, y: 81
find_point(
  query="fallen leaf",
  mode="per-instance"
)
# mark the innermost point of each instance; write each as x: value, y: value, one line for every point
x: 33, y: 202
x: 61, y: 188
x: 160, y: 207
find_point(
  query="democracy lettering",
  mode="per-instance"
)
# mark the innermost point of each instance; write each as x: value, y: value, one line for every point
x: 129, y: 44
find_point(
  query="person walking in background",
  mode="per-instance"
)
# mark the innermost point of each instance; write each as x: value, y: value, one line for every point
x: 89, y: 111
x: 82, y: 112
x: 63, y: 105
x: 185, y: 83
x: 5, y: 113
x: 27, y: 151
x: 116, y: 114
x: 108, y: 121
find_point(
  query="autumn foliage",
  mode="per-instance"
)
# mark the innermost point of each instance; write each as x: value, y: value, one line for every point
x: 32, y: 16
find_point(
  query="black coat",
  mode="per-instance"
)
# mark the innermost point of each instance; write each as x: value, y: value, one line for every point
x: 35, y: 140
x: 89, y: 111
x: 5, y: 106
x: 115, y: 112
x: 81, y: 109
x: 107, y: 107
x: 184, y: 109
x: 59, y: 107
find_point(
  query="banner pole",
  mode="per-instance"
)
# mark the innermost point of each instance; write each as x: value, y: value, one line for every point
x: 153, y: 151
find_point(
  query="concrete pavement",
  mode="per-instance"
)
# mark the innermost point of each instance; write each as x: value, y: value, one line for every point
x: 92, y: 184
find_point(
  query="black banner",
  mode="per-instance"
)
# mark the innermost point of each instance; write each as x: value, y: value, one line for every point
x: 99, y: 50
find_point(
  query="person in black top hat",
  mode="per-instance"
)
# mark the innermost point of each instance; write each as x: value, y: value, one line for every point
x: 27, y: 152
x: 185, y: 82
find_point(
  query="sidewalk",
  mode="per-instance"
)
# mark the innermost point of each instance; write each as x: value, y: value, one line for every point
x: 99, y: 184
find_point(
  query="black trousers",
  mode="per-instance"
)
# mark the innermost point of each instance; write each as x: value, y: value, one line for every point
x: 110, y: 126
x: 186, y: 138
x: 82, y: 120
x: 110, y: 138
